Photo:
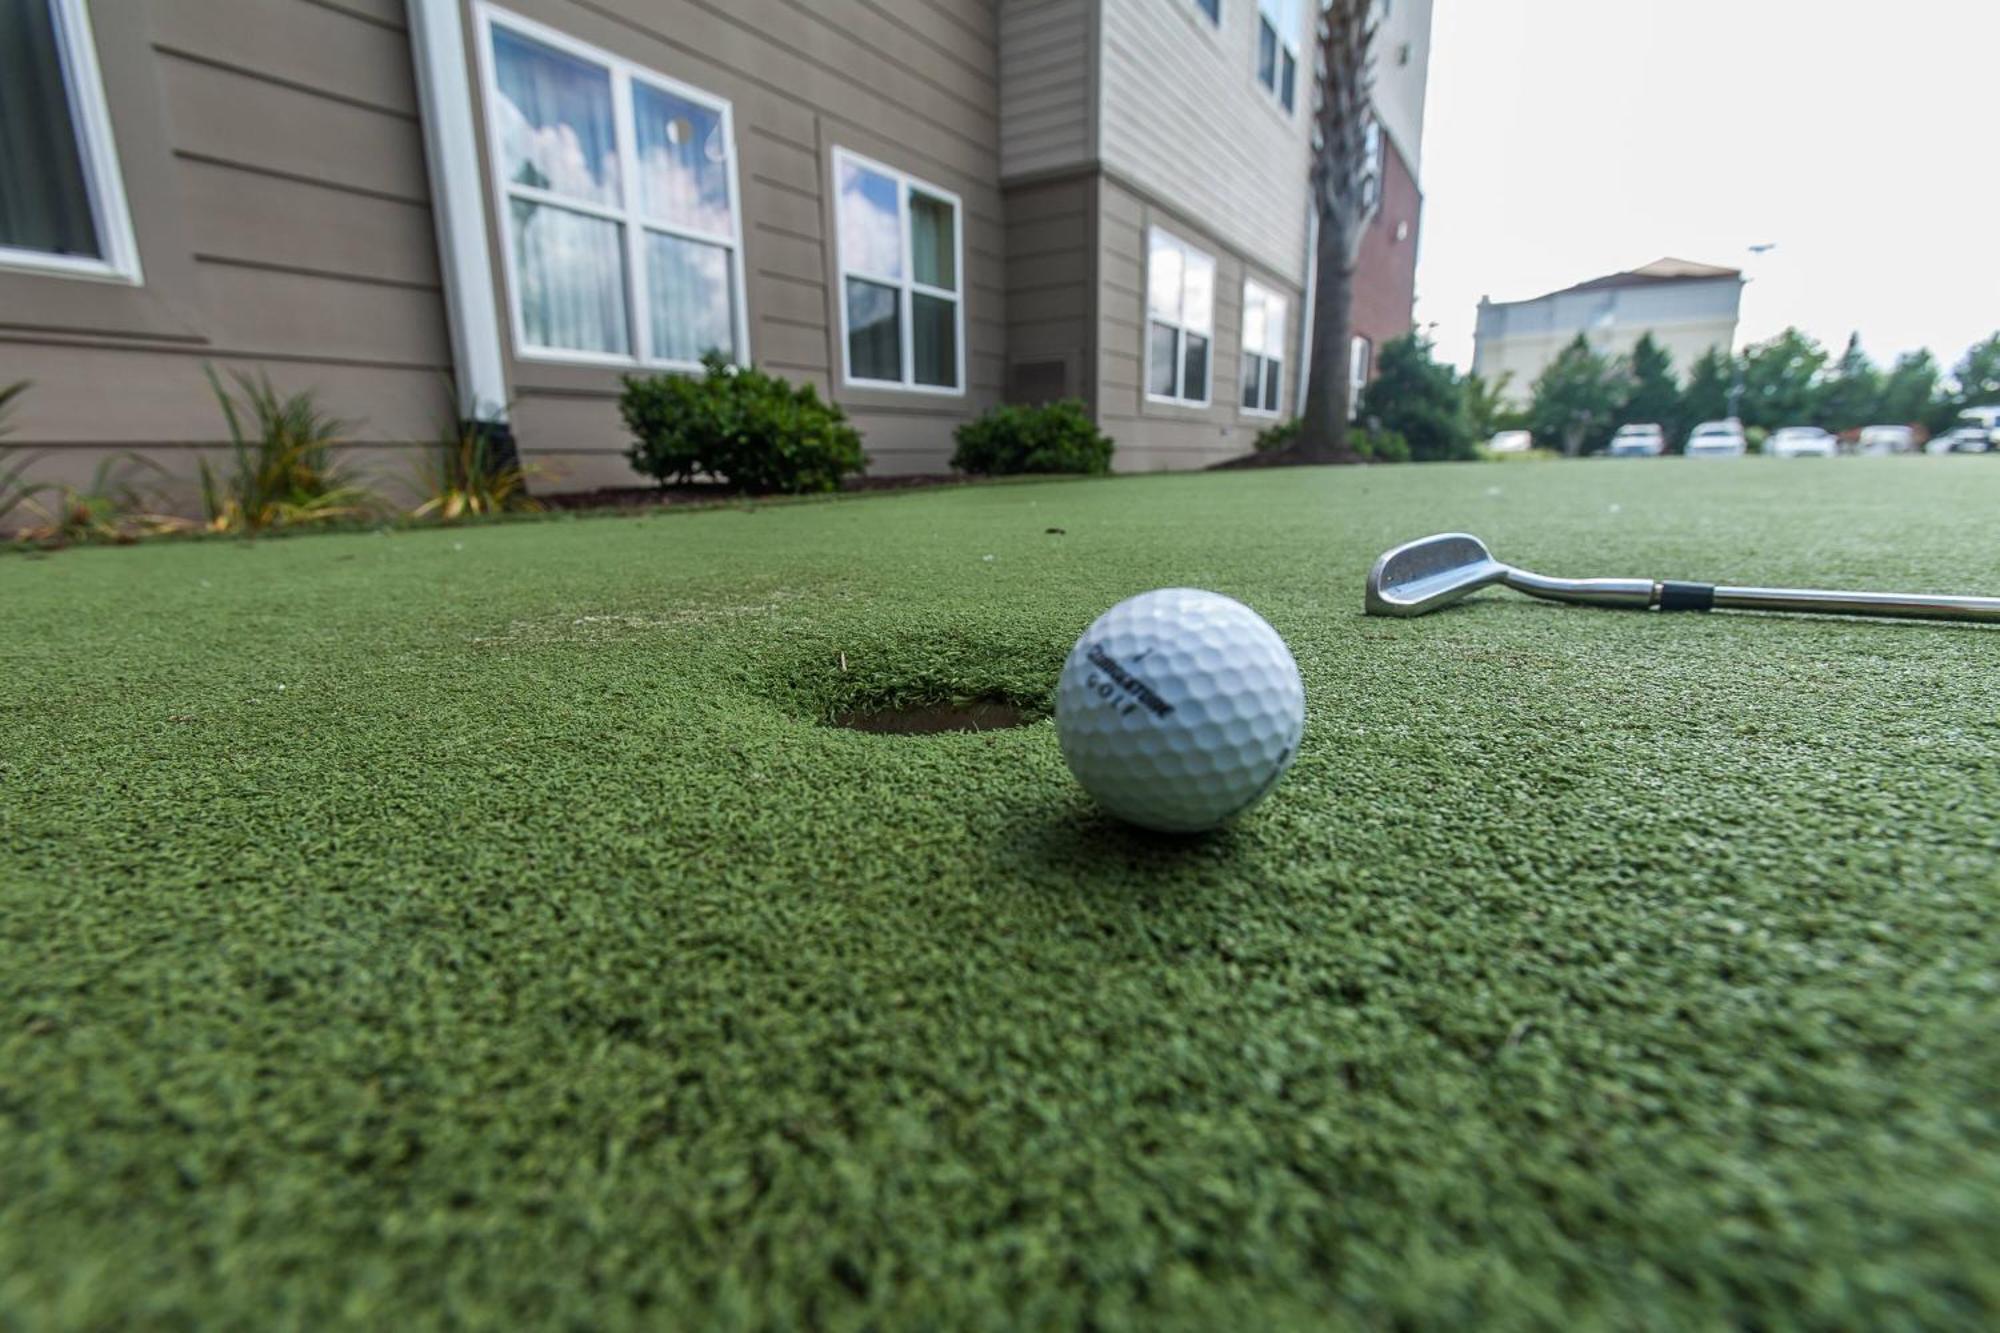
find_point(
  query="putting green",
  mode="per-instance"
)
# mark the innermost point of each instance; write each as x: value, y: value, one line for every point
x: 480, y: 927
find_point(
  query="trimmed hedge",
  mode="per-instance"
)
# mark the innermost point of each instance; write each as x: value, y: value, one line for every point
x: 1053, y: 437
x: 752, y: 430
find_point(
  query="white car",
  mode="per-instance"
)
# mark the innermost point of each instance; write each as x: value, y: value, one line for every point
x: 1876, y: 440
x: 1717, y: 439
x: 1638, y: 440
x: 1973, y: 425
x: 1801, y: 442
x: 1961, y: 440
x: 1510, y: 442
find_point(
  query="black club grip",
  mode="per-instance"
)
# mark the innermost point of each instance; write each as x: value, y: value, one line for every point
x: 1687, y: 596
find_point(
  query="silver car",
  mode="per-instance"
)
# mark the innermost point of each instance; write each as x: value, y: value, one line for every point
x: 1717, y: 439
x: 1801, y: 442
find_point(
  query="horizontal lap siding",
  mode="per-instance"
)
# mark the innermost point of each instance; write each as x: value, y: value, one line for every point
x: 302, y: 199
x: 1186, y: 122
x: 1051, y: 234
x: 1155, y: 436
x: 1047, y: 86
x: 912, y: 84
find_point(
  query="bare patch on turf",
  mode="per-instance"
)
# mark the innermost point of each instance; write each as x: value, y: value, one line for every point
x: 933, y: 719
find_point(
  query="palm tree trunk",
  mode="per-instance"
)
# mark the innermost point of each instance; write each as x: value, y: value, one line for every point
x: 1323, y: 431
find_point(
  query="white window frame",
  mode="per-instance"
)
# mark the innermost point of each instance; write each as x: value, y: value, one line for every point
x: 1287, y: 45
x: 906, y: 286
x: 630, y: 213
x: 1154, y: 236
x: 90, y: 121
x: 1360, y: 363
x: 1264, y: 296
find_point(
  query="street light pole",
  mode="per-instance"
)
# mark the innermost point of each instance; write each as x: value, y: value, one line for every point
x: 1736, y: 383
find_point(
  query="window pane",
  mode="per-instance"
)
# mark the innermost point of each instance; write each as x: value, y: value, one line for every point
x: 874, y: 331
x: 690, y: 298
x: 1194, y: 383
x: 934, y: 330
x: 1274, y: 374
x: 1252, y: 377
x: 1163, y: 280
x: 871, y: 239
x: 933, y: 243
x: 1267, y: 53
x: 44, y: 201
x: 570, y: 272
x: 1291, y: 77
x: 556, y: 127
x: 683, y: 161
x: 1253, y: 320
x: 1163, y: 346
x: 1212, y: 8
x: 1198, y: 310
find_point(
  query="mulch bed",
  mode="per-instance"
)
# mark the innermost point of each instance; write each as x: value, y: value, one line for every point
x: 657, y: 497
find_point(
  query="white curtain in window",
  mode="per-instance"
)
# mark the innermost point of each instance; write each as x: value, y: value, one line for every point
x: 691, y: 298
x: 557, y: 130
x: 570, y: 273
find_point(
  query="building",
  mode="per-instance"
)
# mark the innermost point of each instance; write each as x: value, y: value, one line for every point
x: 1689, y: 308
x: 429, y: 208
x: 1385, y: 284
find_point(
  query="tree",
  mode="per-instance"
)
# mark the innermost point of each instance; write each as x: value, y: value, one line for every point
x: 1779, y: 376
x: 1908, y: 390
x: 1851, y: 394
x: 1486, y: 408
x: 1344, y: 191
x: 1975, y: 380
x: 1706, y: 397
x: 1576, y: 399
x: 1420, y: 399
x: 1651, y: 393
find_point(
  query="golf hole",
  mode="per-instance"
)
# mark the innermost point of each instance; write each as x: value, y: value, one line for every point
x: 935, y: 718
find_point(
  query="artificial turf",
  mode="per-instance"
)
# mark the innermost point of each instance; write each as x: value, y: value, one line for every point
x: 480, y: 927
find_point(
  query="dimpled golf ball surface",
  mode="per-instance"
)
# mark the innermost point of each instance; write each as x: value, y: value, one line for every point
x: 1179, y: 709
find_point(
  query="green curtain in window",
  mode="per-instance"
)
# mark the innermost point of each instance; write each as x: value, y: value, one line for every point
x: 44, y: 200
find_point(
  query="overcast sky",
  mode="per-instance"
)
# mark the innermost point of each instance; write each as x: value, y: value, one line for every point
x: 1566, y: 139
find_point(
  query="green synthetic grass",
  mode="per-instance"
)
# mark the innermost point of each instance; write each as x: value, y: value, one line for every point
x: 479, y: 928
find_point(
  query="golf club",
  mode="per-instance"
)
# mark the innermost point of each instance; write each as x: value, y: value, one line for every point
x: 1432, y: 572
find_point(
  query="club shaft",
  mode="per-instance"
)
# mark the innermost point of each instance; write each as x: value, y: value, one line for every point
x: 1908, y: 606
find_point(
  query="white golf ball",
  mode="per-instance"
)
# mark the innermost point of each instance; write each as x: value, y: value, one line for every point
x: 1179, y: 709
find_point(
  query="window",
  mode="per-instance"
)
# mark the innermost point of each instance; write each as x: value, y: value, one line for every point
x: 901, y: 313
x: 1278, y: 24
x: 62, y: 204
x: 1212, y: 8
x: 617, y: 190
x: 1263, y: 349
x: 1373, y: 150
x: 1359, y: 354
x: 1180, y: 308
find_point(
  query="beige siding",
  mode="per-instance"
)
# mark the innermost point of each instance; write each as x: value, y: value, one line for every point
x: 274, y: 164
x: 1151, y: 435
x: 1051, y: 277
x: 1185, y: 120
x: 1048, y: 91
x: 913, y: 85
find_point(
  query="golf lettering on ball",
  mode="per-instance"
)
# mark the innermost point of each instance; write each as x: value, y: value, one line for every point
x: 1179, y: 709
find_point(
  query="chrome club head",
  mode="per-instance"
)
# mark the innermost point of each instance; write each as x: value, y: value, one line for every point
x: 1430, y: 572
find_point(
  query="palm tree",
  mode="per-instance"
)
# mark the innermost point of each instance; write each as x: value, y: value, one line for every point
x: 1345, y: 189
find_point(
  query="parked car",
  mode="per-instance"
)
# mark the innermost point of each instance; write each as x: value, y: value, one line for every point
x: 1801, y: 442
x: 1961, y: 439
x: 1510, y: 442
x: 1885, y: 440
x: 1717, y: 439
x: 1638, y: 439
x: 1981, y: 418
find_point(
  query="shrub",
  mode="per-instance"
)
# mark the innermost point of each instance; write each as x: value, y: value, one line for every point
x: 112, y: 508
x: 281, y: 469
x: 14, y: 489
x: 754, y: 431
x: 1278, y: 436
x: 1051, y: 437
x: 1753, y: 439
x: 1383, y: 446
x: 464, y: 477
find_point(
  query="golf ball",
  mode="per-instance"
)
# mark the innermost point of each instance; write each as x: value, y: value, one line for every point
x: 1179, y: 709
